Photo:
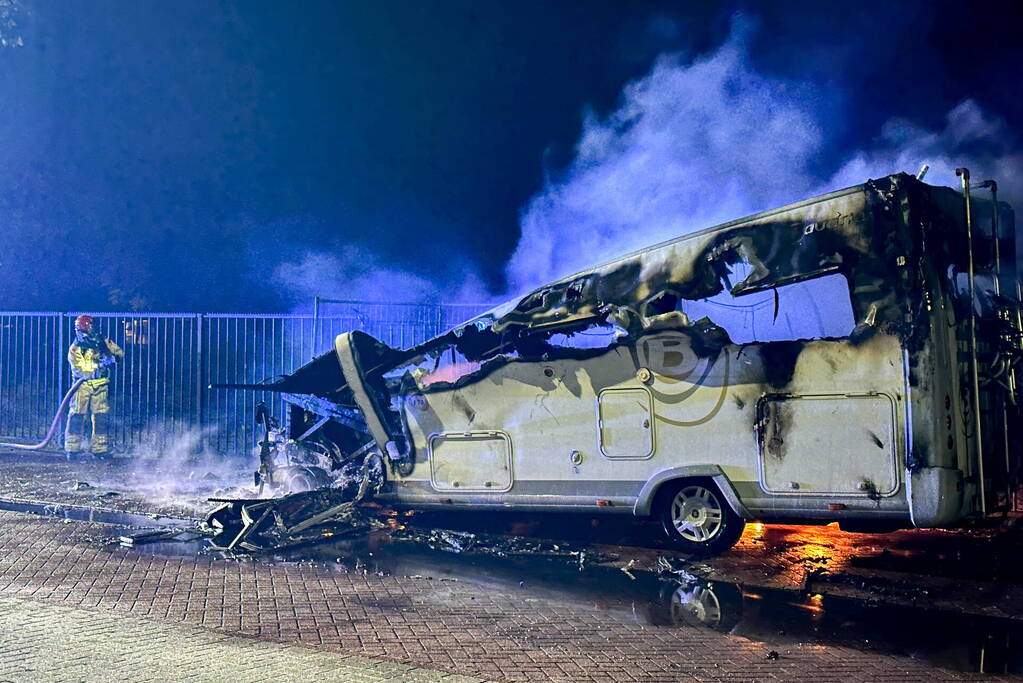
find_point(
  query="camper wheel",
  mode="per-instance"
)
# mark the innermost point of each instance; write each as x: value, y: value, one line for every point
x: 697, y: 519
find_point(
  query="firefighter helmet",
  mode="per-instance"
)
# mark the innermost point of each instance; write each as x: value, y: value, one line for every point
x: 83, y: 323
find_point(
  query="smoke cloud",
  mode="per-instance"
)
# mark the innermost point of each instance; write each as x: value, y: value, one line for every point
x: 696, y: 144
x: 971, y: 138
x: 692, y: 144
x: 356, y: 273
x: 169, y: 466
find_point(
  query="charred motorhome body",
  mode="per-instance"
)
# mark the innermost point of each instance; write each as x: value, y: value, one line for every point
x: 833, y: 381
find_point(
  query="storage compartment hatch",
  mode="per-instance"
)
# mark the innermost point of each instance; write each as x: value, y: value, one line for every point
x: 471, y: 461
x: 828, y: 444
x: 625, y: 423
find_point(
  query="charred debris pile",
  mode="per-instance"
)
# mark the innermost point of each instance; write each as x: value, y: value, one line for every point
x: 347, y: 434
x: 265, y: 524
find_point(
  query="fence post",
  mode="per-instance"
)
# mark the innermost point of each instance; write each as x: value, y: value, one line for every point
x: 63, y: 375
x: 200, y: 380
x: 316, y: 327
x: 62, y: 343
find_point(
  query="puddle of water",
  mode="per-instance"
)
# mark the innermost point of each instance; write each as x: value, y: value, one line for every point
x: 950, y: 640
x: 775, y: 617
x: 610, y: 529
x: 84, y: 513
x: 994, y: 561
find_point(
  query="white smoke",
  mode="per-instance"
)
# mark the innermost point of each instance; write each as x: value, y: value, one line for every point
x: 354, y: 273
x: 694, y: 143
x: 690, y: 146
x: 698, y: 143
x: 171, y: 466
x: 970, y: 138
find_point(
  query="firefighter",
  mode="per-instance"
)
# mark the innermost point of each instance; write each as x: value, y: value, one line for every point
x: 90, y: 356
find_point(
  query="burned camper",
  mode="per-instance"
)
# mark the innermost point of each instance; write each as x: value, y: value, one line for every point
x: 851, y: 357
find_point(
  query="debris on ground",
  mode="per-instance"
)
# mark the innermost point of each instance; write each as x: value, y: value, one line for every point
x: 497, y: 545
x: 156, y: 536
x: 262, y: 524
x: 812, y: 576
x: 628, y: 567
x: 456, y: 541
x: 677, y: 568
x: 875, y: 585
x: 81, y: 486
x: 773, y: 655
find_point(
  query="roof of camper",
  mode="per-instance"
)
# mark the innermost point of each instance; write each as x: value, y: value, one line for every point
x: 506, y: 306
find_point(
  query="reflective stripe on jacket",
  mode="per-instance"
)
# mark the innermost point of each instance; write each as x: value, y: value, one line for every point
x: 85, y: 362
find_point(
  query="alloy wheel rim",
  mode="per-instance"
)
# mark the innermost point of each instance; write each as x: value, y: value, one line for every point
x: 696, y: 514
x: 695, y: 605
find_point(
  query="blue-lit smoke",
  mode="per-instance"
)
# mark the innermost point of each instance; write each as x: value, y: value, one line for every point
x: 696, y: 144
x: 970, y: 138
x: 691, y: 144
x: 355, y: 273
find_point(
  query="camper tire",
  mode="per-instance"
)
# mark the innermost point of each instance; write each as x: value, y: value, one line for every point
x: 697, y: 519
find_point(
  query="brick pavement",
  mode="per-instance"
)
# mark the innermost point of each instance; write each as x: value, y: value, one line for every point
x: 968, y: 571
x: 41, y: 641
x: 972, y: 572
x: 456, y: 627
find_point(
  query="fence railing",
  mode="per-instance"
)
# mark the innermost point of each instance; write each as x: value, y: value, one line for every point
x: 160, y: 388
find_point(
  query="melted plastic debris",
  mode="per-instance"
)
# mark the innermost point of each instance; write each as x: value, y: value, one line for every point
x: 501, y: 546
x: 678, y: 568
x: 261, y: 524
x: 132, y: 540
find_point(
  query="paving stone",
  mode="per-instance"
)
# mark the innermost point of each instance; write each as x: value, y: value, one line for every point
x: 177, y: 604
x: 42, y: 641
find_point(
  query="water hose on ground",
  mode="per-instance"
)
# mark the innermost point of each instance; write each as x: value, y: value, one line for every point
x: 53, y: 425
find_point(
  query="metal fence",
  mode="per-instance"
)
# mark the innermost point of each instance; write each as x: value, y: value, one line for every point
x: 160, y: 389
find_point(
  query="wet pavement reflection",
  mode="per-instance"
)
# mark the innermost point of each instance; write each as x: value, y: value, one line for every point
x: 775, y: 617
x: 951, y: 598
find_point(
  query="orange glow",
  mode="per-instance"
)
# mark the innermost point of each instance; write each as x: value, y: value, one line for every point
x: 449, y: 373
x: 135, y: 331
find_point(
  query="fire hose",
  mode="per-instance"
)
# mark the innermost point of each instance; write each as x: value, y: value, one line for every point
x: 53, y: 425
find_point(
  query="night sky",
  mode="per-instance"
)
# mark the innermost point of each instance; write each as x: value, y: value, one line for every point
x: 243, y: 156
